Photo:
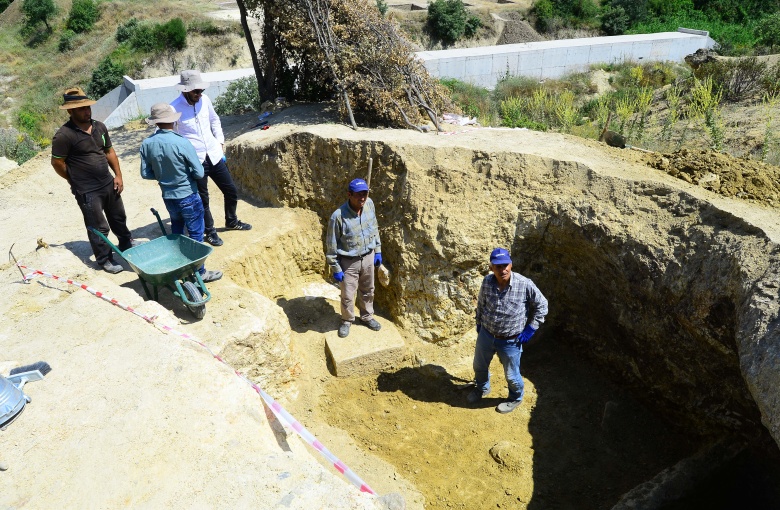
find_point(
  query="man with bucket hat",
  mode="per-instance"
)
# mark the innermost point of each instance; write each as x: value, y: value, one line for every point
x: 170, y: 159
x: 352, y: 250
x: 200, y: 124
x: 81, y: 153
x: 510, y: 309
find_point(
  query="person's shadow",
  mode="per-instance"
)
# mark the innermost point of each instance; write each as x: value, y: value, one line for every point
x: 432, y: 383
x: 310, y: 313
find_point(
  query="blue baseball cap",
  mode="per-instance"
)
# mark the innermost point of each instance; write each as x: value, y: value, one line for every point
x: 500, y: 256
x: 358, y: 185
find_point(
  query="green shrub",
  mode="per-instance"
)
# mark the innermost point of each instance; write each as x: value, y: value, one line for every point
x: 240, y: 97
x: 83, y: 15
x: 770, y: 82
x: 544, y: 11
x: 30, y: 120
x: 515, y: 86
x: 38, y: 11
x: 614, y: 20
x: 66, y: 41
x: 474, y: 101
x: 17, y: 146
x: 206, y: 27
x: 125, y: 31
x: 734, y: 79
x: 513, y: 113
x: 172, y: 34
x: 767, y: 31
x: 473, y: 23
x: 447, y: 19
x: 381, y: 5
x: 143, y: 38
x: 106, y: 77
x: 4, y: 5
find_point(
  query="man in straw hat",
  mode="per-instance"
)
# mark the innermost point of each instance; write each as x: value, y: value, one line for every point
x: 200, y: 124
x: 81, y: 153
x: 170, y: 159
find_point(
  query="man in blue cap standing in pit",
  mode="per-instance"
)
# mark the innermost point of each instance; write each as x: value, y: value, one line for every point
x: 352, y: 250
x: 510, y: 309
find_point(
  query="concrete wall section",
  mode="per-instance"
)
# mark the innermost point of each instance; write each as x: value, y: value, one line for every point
x: 485, y: 66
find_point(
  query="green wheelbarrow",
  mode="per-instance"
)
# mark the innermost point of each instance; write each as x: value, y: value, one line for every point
x: 171, y: 261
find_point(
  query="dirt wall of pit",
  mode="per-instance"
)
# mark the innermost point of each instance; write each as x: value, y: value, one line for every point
x: 662, y: 286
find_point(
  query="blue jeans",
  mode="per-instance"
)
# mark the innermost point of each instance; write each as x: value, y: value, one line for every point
x: 219, y: 173
x: 509, y: 352
x: 187, y: 211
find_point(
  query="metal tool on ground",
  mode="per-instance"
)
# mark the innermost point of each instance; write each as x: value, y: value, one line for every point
x: 16, y: 263
x: 171, y: 261
x: 12, y: 399
x: 610, y: 137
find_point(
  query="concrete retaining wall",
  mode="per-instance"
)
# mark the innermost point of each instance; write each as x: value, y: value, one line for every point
x: 485, y: 66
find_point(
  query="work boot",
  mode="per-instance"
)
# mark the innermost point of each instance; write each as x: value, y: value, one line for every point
x: 476, y: 395
x: 344, y: 329
x: 211, y: 276
x: 239, y: 225
x: 110, y: 267
x: 372, y: 324
x: 213, y: 239
x: 507, y: 407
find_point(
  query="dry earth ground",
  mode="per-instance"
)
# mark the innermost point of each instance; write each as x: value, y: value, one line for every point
x: 154, y: 419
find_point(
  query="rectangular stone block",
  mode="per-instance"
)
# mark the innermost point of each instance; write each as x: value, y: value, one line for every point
x: 365, y: 352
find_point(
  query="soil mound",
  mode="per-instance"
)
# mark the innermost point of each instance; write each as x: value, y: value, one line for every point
x: 517, y: 30
x: 741, y: 178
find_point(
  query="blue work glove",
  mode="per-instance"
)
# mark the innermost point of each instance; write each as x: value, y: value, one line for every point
x: 224, y: 158
x: 377, y: 259
x: 479, y: 328
x: 339, y: 276
x: 526, y: 335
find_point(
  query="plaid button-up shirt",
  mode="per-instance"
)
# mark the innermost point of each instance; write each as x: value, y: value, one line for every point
x: 506, y: 312
x: 351, y: 235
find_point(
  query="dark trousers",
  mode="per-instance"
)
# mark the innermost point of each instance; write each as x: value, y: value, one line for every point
x: 103, y: 209
x: 220, y: 174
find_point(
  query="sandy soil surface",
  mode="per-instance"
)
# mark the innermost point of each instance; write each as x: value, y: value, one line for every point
x: 577, y: 436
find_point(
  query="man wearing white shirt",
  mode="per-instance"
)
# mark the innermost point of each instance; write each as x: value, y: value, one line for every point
x: 200, y: 124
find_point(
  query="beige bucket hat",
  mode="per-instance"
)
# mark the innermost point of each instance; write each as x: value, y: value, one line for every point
x: 163, y: 113
x: 191, y: 80
x: 74, y: 97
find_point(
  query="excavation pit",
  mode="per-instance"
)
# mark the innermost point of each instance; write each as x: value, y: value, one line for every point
x: 656, y: 288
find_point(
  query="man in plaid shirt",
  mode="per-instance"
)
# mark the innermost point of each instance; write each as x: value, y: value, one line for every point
x: 510, y: 309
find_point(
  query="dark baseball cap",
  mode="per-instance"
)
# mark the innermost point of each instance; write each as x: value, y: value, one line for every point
x: 500, y: 256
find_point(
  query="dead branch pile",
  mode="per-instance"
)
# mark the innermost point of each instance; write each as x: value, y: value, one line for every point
x: 344, y: 48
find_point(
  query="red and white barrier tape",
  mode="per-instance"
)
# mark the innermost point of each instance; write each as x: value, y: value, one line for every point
x: 280, y: 412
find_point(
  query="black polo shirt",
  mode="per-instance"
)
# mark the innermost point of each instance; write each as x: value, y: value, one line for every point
x: 84, y: 155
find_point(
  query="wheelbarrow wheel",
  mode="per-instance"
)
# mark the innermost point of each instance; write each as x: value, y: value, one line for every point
x: 193, y: 294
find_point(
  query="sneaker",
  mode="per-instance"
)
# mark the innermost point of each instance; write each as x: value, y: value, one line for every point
x: 111, y: 267
x: 344, y: 329
x: 507, y: 407
x: 476, y: 395
x: 372, y: 324
x: 211, y: 276
x: 239, y: 225
x: 213, y: 239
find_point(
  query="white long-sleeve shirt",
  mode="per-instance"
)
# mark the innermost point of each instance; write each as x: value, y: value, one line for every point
x: 199, y: 124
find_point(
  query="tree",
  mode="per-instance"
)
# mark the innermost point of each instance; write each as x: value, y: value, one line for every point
x: 38, y: 11
x: 767, y: 31
x: 83, y: 15
x: 447, y: 19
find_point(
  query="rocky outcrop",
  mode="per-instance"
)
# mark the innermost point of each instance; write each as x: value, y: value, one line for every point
x: 664, y: 286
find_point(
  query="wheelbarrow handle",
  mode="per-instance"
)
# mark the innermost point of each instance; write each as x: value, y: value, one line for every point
x: 159, y: 221
x: 112, y: 245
